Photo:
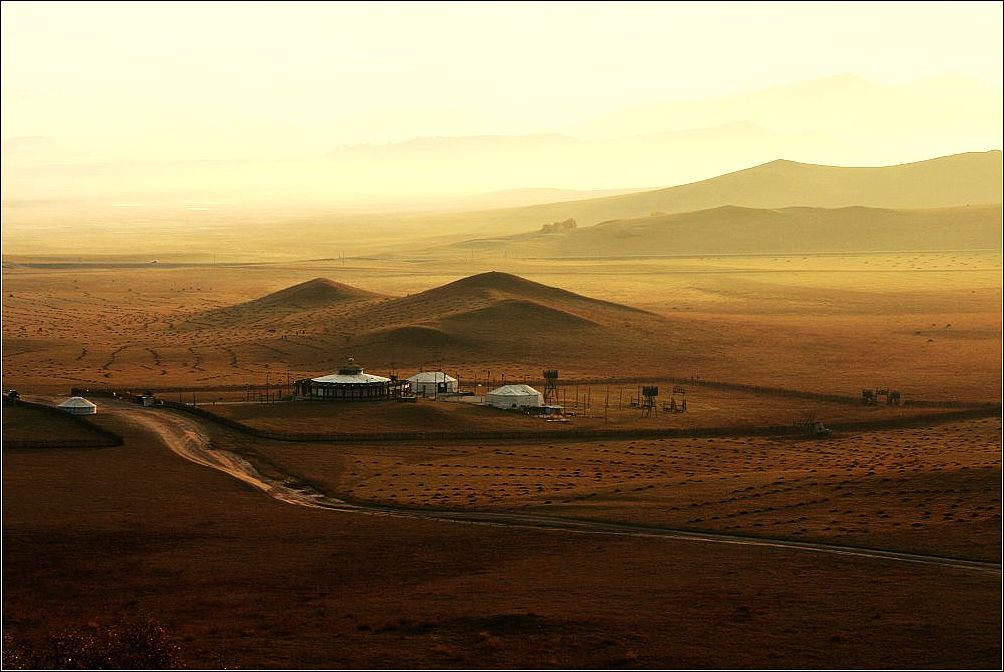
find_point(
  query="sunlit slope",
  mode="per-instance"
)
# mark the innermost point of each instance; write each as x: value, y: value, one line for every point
x: 741, y: 230
x: 489, y: 317
x: 300, y: 302
x: 493, y: 317
x: 961, y: 179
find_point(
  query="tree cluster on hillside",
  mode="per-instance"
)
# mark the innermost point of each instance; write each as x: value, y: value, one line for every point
x: 554, y: 227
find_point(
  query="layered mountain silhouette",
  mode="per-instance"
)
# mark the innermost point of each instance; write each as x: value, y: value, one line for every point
x: 742, y: 230
x: 962, y: 179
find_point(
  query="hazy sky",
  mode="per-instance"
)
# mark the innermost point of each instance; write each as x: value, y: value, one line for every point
x: 202, y: 80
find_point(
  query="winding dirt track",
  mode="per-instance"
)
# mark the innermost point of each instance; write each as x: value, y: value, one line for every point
x: 186, y: 437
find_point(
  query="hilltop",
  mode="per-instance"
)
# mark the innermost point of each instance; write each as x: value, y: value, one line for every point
x: 477, y: 291
x: 318, y: 294
x: 311, y: 294
x: 490, y: 316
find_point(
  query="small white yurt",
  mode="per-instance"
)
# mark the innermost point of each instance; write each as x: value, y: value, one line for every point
x: 78, y: 406
x: 431, y: 383
x: 514, y: 396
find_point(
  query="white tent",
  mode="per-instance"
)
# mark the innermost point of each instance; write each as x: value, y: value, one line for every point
x: 78, y: 406
x: 514, y: 396
x: 432, y: 382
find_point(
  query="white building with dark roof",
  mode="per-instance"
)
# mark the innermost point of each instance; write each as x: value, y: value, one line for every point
x: 351, y: 383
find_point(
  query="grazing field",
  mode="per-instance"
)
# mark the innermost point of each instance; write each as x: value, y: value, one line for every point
x: 240, y: 580
x: 931, y: 489
x: 927, y: 324
x: 604, y: 408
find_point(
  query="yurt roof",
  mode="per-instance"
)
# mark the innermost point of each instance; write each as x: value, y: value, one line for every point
x: 77, y: 402
x: 353, y: 378
x: 432, y: 377
x: 519, y: 390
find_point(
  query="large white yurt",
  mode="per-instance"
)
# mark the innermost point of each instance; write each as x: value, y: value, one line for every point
x: 431, y: 383
x: 351, y: 383
x: 514, y: 396
x: 78, y: 406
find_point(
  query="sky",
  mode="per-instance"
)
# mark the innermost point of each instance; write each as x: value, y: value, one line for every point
x: 205, y: 80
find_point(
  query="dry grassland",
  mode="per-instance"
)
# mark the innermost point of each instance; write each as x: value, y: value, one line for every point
x: 605, y: 408
x: 241, y: 580
x: 927, y: 324
x: 933, y: 489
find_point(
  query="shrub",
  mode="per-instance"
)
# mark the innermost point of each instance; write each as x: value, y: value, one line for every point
x: 134, y: 644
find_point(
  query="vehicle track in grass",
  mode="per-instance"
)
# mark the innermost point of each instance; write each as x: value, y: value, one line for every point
x: 188, y: 437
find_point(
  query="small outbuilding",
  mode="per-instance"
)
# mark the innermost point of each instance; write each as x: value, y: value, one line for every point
x: 514, y: 397
x: 78, y: 406
x: 431, y: 383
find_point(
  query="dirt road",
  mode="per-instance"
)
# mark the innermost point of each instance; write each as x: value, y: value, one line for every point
x: 188, y: 438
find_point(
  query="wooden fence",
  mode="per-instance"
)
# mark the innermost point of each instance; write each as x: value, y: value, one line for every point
x: 590, y: 434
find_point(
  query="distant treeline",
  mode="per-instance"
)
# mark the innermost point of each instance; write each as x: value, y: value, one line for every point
x: 563, y: 225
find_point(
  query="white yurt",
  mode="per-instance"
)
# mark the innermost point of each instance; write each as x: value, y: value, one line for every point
x: 514, y: 396
x: 351, y: 383
x: 78, y: 406
x: 431, y: 383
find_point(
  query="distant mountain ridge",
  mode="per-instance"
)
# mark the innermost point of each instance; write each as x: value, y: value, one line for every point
x: 741, y: 230
x: 948, y: 112
x: 961, y: 179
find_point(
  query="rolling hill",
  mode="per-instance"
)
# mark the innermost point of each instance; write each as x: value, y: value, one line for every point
x: 960, y: 179
x: 289, y: 304
x: 486, y: 310
x: 489, y: 317
x: 742, y: 230
x: 497, y: 316
x: 312, y: 294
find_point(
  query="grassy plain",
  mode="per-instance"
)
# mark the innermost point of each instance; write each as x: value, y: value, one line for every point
x: 243, y: 580
x: 932, y: 489
x: 927, y: 324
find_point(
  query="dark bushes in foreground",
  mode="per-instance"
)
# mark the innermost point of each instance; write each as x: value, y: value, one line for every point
x: 135, y: 644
